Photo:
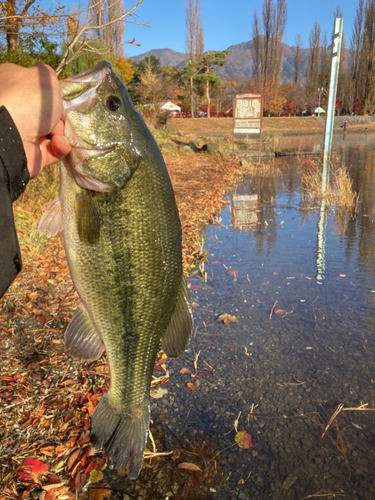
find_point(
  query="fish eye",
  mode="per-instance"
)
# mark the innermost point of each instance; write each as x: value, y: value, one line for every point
x: 113, y: 103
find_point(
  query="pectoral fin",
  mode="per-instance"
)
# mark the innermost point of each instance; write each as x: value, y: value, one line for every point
x: 87, y: 218
x: 52, y: 219
x: 82, y: 341
x: 179, y: 329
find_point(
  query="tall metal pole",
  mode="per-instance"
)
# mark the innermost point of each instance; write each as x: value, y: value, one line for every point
x: 332, y: 88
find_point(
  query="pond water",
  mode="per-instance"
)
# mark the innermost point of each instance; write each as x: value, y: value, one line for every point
x: 301, y: 285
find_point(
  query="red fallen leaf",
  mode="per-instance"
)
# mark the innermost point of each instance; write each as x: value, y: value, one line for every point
x: 204, y: 373
x: 280, y: 312
x: 90, y: 408
x: 67, y: 382
x: 32, y: 469
x: 6, y: 377
x: 73, y: 457
x: 232, y: 273
x: 194, y: 305
x: 191, y: 386
x: 80, y: 481
x: 195, y: 287
x: 41, y: 319
x: 195, y: 479
x: 243, y: 439
x: 183, y: 370
x: 53, y: 478
x: 83, y: 441
x: 215, y: 262
x: 51, y: 494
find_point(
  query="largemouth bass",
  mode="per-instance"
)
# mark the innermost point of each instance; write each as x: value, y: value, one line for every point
x: 122, y: 239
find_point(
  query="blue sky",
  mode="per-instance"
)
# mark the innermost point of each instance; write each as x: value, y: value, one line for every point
x: 228, y: 22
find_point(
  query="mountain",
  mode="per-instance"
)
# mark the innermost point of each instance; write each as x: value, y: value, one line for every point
x: 167, y: 57
x: 238, y: 67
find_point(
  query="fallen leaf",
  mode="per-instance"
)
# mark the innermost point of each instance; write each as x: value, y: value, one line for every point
x: 280, y: 311
x: 158, y: 393
x: 232, y: 273
x: 194, y: 478
x: 227, y: 318
x: 195, y: 287
x: 100, y: 493
x: 96, y: 476
x: 73, y: 457
x: 32, y: 469
x: 80, y: 481
x: 342, y: 275
x: 56, y: 486
x: 183, y: 370
x: 243, y: 439
x: 67, y: 382
x: 191, y: 386
x: 194, y: 305
x: 188, y: 466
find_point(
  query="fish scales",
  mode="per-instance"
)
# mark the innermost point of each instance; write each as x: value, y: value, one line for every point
x: 122, y: 238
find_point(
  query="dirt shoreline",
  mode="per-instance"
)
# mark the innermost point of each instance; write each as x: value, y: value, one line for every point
x: 284, y: 125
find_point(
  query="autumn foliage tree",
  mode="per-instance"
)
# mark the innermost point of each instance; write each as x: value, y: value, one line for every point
x: 273, y: 97
x: 77, y: 30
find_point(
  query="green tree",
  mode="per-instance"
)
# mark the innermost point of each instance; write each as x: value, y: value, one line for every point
x: 203, y: 74
x: 31, y: 50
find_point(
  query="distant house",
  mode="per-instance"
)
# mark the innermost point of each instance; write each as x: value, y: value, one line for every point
x: 169, y: 106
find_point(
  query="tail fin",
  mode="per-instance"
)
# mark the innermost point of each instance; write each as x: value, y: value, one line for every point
x: 122, y: 435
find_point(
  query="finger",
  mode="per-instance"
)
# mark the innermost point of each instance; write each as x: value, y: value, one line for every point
x: 60, y: 146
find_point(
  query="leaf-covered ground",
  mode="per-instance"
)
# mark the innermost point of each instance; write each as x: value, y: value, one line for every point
x: 46, y: 398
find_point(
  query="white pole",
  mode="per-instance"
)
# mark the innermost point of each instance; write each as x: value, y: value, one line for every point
x: 332, y: 88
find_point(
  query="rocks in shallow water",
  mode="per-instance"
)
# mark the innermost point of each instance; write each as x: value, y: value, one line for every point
x: 289, y: 481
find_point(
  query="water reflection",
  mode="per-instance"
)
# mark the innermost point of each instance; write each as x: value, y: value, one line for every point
x: 321, y: 241
x: 287, y: 372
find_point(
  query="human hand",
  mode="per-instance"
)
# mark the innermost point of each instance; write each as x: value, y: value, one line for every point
x: 32, y: 96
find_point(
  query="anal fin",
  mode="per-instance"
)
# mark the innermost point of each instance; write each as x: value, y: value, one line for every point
x: 179, y: 329
x: 82, y: 341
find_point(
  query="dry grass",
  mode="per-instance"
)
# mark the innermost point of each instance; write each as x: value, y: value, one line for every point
x: 339, y: 193
x: 225, y: 125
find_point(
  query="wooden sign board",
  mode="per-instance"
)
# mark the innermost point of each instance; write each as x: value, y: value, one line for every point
x: 247, y: 116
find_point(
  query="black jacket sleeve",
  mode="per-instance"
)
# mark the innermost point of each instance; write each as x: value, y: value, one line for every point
x: 13, y: 179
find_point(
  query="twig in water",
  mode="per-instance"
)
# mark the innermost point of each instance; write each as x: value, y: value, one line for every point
x: 273, y: 307
x: 221, y: 451
x: 209, y: 366
x: 341, y: 408
x: 312, y: 303
x: 236, y: 422
x: 195, y: 365
x: 323, y: 495
x: 152, y: 441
